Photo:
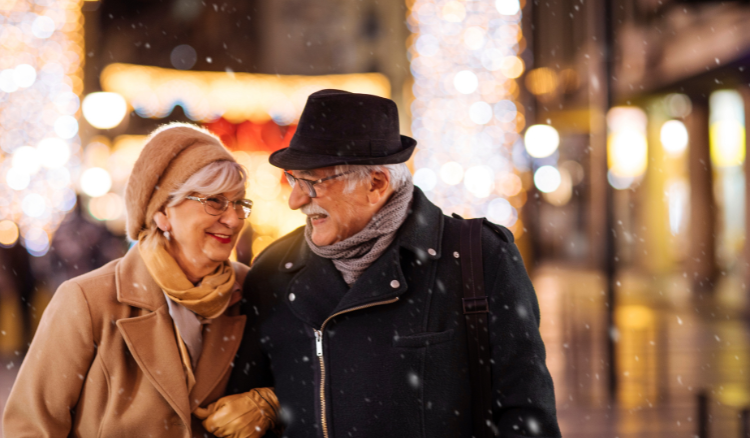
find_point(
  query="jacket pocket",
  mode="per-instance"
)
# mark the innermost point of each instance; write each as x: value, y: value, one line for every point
x: 423, y: 339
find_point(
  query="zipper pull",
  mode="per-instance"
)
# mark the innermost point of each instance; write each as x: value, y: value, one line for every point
x: 319, y: 343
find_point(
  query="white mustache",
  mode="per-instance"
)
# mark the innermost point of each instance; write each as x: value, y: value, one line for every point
x: 311, y: 209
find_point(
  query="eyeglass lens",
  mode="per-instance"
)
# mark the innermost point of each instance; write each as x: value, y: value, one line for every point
x: 216, y: 205
x: 306, y: 185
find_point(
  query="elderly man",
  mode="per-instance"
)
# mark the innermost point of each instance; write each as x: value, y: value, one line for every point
x: 357, y: 318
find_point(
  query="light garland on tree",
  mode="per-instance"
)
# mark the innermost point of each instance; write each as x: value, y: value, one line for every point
x: 41, y: 81
x: 465, y: 114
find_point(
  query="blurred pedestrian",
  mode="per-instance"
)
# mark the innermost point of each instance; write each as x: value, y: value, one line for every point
x: 79, y: 246
x: 141, y: 345
x: 17, y: 283
x: 357, y: 318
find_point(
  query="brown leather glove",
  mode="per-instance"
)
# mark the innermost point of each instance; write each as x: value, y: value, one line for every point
x: 247, y: 415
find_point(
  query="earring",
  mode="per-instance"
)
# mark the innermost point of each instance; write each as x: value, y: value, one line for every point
x: 167, y: 236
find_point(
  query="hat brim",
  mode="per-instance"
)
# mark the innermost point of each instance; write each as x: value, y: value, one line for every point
x: 290, y: 159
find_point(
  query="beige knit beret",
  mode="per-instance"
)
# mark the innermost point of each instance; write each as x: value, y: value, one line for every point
x: 173, y: 153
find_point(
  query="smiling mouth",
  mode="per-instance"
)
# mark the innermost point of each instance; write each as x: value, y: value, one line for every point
x: 317, y: 218
x: 223, y: 238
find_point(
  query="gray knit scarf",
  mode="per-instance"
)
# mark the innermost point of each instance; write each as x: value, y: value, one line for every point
x: 355, y: 254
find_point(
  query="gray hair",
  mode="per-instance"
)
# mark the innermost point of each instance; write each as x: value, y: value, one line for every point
x: 212, y: 179
x: 399, y: 173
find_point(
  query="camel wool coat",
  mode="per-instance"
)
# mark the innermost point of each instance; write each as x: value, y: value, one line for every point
x: 105, y: 363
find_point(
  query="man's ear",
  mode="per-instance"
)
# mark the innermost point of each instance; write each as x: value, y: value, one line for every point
x: 380, y: 182
x: 162, y: 221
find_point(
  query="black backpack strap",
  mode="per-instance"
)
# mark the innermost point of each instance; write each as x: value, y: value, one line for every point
x: 476, y: 311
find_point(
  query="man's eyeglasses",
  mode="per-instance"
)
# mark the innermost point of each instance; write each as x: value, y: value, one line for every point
x: 218, y: 204
x: 309, y: 186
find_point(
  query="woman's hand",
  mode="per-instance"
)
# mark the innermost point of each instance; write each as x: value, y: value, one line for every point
x: 247, y: 415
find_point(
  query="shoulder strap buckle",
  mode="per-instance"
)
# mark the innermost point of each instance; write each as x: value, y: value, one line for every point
x: 474, y: 305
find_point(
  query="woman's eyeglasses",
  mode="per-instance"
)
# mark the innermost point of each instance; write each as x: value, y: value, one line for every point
x: 218, y: 204
x: 309, y: 186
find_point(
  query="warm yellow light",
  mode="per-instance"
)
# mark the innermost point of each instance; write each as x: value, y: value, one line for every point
x: 542, y: 81
x: 562, y: 194
x: 104, y: 110
x: 8, y: 233
x: 627, y: 148
x: 634, y: 317
x: 727, y: 139
x: 154, y: 91
x: 107, y: 207
x: 627, y: 153
x: 512, y: 67
x: 260, y: 243
x: 541, y: 140
x: 510, y: 184
x: 726, y: 128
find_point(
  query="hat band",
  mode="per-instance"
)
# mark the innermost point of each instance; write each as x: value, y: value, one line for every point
x: 349, y: 148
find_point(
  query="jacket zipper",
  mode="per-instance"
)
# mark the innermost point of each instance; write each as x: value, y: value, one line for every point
x: 319, y: 353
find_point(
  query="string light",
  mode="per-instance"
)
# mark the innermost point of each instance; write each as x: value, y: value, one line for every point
x: 41, y: 80
x: 237, y: 97
x: 465, y: 115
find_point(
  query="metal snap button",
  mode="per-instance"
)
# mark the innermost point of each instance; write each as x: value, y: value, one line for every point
x: 432, y: 252
x: 456, y: 254
x: 292, y: 297
x: 395, y: 284
x: 289, y: 265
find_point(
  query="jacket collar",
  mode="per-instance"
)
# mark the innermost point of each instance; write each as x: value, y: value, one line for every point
x: 135, y: 286
x: 422, y: 232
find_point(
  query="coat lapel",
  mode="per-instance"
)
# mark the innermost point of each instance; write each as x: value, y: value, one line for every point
x: 151, y: 341
x: 382, y: 281
x: 221, y: 339
x: 316, y: 274
x: 151, y: 337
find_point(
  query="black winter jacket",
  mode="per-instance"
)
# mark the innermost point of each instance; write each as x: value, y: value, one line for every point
x: 391, y: 360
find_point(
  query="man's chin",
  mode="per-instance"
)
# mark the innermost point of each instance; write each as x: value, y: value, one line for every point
x: 320, y: 239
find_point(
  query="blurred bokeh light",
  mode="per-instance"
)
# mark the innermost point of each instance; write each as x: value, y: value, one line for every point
x: 40, y: 84
x: 465, y: 114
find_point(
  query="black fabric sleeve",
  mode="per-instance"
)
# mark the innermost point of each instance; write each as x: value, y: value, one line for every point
x: 523, y: 392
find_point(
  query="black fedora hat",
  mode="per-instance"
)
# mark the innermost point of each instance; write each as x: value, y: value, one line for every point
x: 339, y: 127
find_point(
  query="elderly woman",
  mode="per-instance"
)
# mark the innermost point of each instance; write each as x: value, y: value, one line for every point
x: 144, y: 345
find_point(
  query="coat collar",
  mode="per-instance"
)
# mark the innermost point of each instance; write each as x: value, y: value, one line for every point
x: 421, y: 234
x: 135, y: 286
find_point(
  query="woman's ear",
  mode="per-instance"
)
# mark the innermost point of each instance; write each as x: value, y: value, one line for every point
x: 162, y: 221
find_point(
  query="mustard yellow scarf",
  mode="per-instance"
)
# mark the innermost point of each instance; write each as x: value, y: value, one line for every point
x: 209, y: 299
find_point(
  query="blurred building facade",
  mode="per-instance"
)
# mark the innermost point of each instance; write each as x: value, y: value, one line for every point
x: 662, y: 87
